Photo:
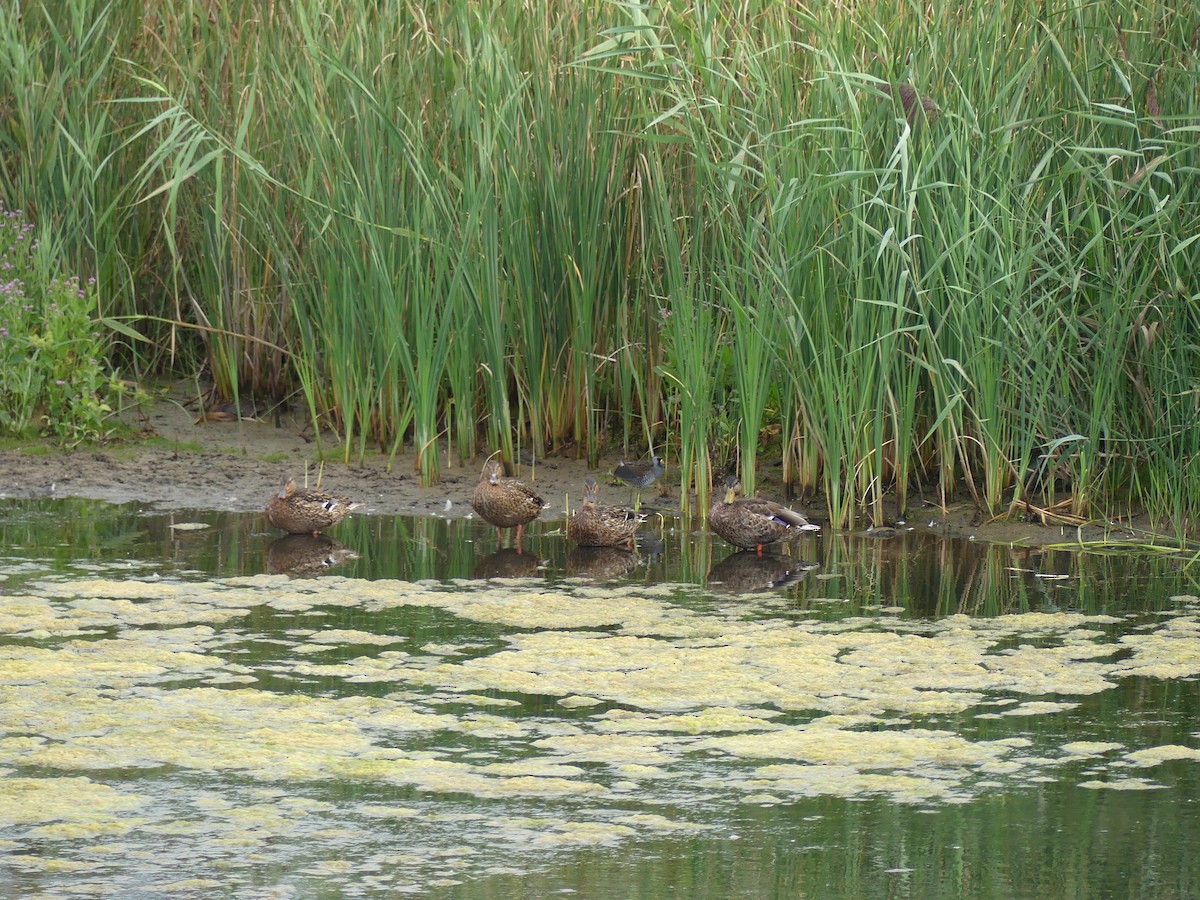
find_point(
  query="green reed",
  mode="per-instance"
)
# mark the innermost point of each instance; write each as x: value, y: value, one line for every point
x: 681, y: 227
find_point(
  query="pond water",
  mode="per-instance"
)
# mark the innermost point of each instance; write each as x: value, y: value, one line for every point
x: 213, y: 712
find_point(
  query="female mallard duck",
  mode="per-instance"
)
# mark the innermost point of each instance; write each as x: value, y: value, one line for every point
x: 751, y: 522
x: 602, y: 526
x: 304, y: 511
x: 505, y: 502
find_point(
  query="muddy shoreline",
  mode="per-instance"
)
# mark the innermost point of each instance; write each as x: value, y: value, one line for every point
x: 234, y: 466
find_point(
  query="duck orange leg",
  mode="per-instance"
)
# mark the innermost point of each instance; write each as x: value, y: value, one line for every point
x: 760, y: 551
x: 520, y: 531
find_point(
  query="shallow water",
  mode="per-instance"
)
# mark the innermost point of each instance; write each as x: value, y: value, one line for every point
x: 862, y: 717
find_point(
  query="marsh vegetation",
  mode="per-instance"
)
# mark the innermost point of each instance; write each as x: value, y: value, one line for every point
x: 722, y: 234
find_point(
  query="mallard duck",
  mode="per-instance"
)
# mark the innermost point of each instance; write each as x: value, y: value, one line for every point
x: 305, y: 511
x: 602, y: 526
x: 505, y: 502
x: 751, y: 523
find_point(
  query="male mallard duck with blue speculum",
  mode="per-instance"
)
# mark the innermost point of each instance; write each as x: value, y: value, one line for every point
x: 306, y: 511
x: 751, y: 522
x: 602, y: 526
x: 505, y: 502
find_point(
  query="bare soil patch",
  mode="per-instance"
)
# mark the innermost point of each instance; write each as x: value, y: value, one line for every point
x: 236, y: 465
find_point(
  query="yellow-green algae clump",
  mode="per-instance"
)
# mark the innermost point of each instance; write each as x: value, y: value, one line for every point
x: 138, y: 675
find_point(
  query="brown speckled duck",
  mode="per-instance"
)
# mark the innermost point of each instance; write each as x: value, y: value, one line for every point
x: 602, y: 526
x: 306, y: 511
x: 751, y: 523
x: 505, y: 502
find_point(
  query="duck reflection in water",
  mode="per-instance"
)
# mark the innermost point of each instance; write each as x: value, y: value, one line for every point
x: 508, y: 562
x: 602, y: 563
x: 745, y: 572
x: 306, y: 556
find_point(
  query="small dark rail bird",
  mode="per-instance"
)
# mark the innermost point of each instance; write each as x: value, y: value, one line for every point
x: 640, y: 475
x: 751, y: 522
x: 505, y: 502
x: 306, y: 511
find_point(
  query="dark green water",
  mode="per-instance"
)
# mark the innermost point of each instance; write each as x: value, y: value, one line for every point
x: 231, y: 733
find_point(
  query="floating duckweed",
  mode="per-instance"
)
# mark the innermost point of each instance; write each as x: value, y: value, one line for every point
x: 1037, y: 708
x: 375, y: 811
x: 730, y: 704
x: 616, y: 749
x: 348, y: 636
x: 844, y: 781
x: 582, y: 834
x: 189, y: 885
x: 875, y: 749
x: 1153, y: 756
x: 1171, y: 651
x: 1123, y: 784
x: 477, y: 700
x: 1089, y: 748
x: 661, y: 823
x: 29, y: 801
x: 533, y: 767
x: 29, y: 862
x: 637, y: 770
x: 707, y: 721
x: 329, y: 867
x: 577, y: 702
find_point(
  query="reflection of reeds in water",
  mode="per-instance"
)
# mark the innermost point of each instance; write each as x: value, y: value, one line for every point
x: 937, y: 577
x: 306, y: 556
x: 745, y: 572
x: 601, y: 563
x: 508, y: 563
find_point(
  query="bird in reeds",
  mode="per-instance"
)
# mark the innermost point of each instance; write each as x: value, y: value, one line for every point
x: 640, y: 475
x: 306, y: 511
x: 505, y: 502
x: 751, y: 522
x: 914, y: 104
x: 602, y: 526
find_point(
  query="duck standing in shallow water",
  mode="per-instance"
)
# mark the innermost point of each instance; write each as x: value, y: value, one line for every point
x: 751, y: 522
x: 602, y: 526
x: 306, y: 511
x: 505, y: 502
